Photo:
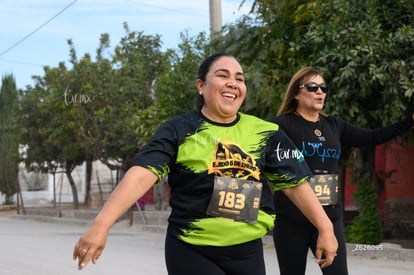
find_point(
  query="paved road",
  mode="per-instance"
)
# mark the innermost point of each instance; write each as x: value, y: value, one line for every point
x: 39, y: 248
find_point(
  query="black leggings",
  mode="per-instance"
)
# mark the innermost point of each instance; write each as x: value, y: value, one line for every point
x: 186, y: 259
x: 292, y: 241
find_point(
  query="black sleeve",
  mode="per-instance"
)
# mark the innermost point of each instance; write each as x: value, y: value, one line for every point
x: 160, y: 153
x: 285, y: 165
x: 359, y: 137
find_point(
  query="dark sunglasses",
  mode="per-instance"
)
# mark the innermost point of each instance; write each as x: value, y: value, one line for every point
x: 313, y: 87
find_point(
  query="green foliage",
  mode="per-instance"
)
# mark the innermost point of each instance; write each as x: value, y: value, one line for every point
x: 364, y: 49
x: 35, y: 132
x: 366, y: 227
x: 365, y: 56
x: 9, y: 142
x: 138, y: 65
x: 176, y: 91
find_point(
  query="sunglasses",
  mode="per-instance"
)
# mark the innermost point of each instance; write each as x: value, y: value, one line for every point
x: 313, y: 87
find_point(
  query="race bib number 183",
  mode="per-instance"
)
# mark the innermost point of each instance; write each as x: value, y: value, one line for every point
x: 235, y: 199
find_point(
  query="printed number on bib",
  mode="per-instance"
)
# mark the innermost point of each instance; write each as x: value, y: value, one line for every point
x: 235, y: 199
x: 322, y: 190
x: 325, y: 187
x: 232, y: 200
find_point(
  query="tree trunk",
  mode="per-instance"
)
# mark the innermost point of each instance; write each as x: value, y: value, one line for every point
x: 74, y: 189
x: 88, y: 181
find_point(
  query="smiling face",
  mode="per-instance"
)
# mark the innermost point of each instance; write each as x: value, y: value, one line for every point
x: 223, y: 90
x: 310, y: 102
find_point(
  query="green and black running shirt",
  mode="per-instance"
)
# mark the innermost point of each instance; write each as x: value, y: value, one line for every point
x: 193, y: 150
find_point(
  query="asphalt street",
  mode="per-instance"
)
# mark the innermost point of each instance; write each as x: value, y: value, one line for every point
x: 33, y: 247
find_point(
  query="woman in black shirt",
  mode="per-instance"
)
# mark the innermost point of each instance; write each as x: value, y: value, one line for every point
x: 319, y: 137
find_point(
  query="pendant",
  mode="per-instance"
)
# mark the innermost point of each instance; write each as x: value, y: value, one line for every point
x: 317, y: 133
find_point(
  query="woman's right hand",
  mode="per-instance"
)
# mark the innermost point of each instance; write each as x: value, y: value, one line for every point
x: 135, y: 183
x: 90, y: 246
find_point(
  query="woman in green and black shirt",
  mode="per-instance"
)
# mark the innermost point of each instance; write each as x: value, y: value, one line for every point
x: 222, y: 166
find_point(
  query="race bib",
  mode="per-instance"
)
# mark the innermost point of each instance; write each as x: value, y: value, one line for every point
x: 235, y: 199
x: 325, y: 187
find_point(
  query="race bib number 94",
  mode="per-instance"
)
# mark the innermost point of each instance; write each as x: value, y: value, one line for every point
x: 325, y: 187
x: 235, y: 199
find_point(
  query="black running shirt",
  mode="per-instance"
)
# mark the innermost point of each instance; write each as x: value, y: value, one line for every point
x: 192, y: 150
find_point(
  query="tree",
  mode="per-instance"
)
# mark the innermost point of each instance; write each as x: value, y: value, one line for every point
x: 138, y: 63
x: 261, y: 99
x: 49, y: 125
x: 9, y: 142
x: 87, y: 112
x: 175, y: 90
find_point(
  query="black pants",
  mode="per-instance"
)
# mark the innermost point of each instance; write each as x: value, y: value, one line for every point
x: 185, y: 259
x: 293, y: 240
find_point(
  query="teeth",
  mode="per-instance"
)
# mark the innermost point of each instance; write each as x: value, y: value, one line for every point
x: 229, y: 95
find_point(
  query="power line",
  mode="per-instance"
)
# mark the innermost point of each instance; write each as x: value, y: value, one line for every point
x: 37, y: 29
x: 21, y: 62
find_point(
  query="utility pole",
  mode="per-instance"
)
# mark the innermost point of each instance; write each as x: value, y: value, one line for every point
x: 215, y: 19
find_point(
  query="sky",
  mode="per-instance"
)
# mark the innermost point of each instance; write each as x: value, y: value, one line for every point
x: 34, y: 33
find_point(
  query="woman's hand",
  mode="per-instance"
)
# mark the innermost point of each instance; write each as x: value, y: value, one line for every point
x: 135, y: 183
x: 327, y: 246
x: 90, y: 246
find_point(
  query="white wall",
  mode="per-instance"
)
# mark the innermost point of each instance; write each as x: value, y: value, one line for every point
x: 38, y: 189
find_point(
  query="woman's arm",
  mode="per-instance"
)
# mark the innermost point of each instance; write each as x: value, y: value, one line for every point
x: 135, y: 183
x: 304, y: 198
x: 359, y: 137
